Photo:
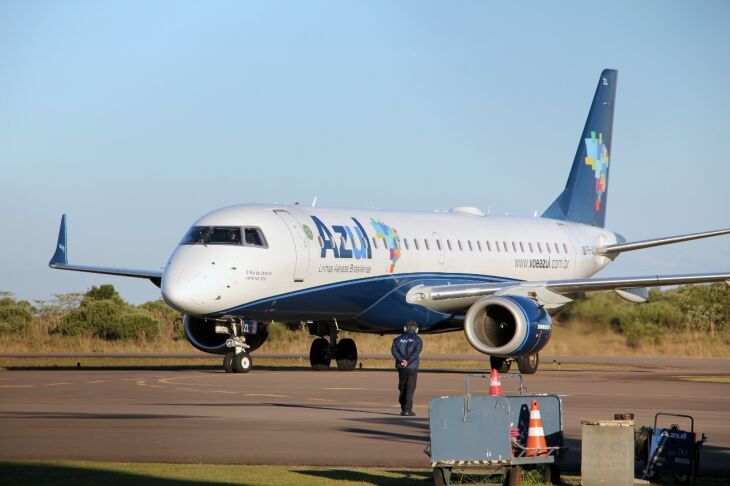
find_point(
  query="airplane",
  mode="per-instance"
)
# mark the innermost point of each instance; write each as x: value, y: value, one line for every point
x: 497, y: 279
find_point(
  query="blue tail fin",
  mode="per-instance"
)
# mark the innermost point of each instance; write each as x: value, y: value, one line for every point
x: 586, y: 192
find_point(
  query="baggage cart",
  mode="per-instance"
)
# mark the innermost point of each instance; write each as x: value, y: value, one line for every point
x: 490, y: 433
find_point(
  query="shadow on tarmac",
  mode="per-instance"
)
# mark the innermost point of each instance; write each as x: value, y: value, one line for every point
x: 404, y: 477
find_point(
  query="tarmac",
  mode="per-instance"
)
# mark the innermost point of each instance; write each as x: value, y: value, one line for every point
x: 295, y: 416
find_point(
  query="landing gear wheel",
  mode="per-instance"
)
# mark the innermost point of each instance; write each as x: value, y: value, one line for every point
x: 228, y: 361
x: 318, y: 354
x: 346, y: 355
x: 242, y: 362
x: 513, y: 477
x: 500, y: 364
x: 551, y: 474
x: 441, y: 476
x: 528, y: 364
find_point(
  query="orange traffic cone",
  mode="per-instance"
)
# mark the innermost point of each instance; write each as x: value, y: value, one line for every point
x: 536, y: 445
x: 495, y: 386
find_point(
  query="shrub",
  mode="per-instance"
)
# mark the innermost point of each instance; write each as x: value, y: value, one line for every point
x: 102, y: 292
x: 14, y: 319
x: 107, y: 319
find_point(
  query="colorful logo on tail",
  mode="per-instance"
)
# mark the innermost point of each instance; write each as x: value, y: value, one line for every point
x: 597, y: 158
x: 390, y: 238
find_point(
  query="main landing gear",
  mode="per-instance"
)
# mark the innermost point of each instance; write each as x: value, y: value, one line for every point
x: 527, y: 364
x: 237, y: 359
x: 322, y: 351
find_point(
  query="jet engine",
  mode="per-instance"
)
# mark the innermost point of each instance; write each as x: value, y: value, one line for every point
x: 507, y: 326
x: 210, y: 335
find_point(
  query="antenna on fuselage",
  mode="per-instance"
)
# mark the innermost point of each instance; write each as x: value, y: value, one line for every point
x: 314, y: 201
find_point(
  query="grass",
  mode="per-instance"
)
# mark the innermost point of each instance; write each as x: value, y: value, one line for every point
x: 706, y: 379
x: 49, y: 473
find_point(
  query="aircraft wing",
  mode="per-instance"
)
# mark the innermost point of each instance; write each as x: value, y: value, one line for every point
x: 59, y: 261
x: 612, y: 251
x: 551, y: 293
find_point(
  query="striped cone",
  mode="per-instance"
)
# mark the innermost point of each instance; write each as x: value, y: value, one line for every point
x: 536, y: 445
x: 495, y: 385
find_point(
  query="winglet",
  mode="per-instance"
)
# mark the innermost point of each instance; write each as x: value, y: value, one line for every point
x: 61, y: 255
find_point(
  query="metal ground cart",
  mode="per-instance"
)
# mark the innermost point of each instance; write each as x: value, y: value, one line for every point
x: 489, y: 433
x: 673, y: 451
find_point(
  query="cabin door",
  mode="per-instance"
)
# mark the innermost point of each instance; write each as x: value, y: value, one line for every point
x: 301, y: 244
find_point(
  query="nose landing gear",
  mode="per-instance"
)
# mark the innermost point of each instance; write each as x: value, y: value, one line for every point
x: 322, y: 351
x: 237, y: 359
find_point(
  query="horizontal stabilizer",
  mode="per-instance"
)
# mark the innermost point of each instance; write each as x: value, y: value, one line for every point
x: 639, y: 245
x: 59, y: 261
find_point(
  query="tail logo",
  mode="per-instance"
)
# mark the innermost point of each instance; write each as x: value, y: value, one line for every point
x: 597, y: 158
x: 390, y: 238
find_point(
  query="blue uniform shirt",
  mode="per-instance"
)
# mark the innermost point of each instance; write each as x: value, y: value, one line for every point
x: 407, y: 347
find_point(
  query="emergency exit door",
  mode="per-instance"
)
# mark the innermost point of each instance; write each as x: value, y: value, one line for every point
x: 301, y: 244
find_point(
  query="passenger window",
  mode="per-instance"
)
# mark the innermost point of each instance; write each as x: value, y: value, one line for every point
x: 514, y: 247
x: 506, y: 249
x: 496, y: 245
x: 557, y: 248
x: 254, y: 237
x: 438, y: 244
x: 547, y: 247
x: 415, y: 243
x: 489, y: 247
x: 460, y: 247
x: 448, y: 244
x: 565, y: 247
x: 539, y: 247
x: 321, y: 243
x: 479, y: 245
x: 425, y: 242
x: 471, y: 248
x: 375, y: 243
x: 522, y: 247
x: 529, y: 244
x: 405, y: 243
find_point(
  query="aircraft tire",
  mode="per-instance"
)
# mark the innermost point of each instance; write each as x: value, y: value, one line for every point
x: 500, y: 364
x: 346, y: 355
x: 528, y: 364
x: 318, y: 354
x: 242, y: 362
x: 228, y: 361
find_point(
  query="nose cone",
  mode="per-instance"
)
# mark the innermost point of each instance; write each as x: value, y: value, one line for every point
x: 181, y: 290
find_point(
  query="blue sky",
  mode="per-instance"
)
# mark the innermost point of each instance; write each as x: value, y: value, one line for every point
x: 137, y: 117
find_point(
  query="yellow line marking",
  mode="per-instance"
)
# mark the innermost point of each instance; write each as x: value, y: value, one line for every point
x: 224, y: 391
x: 17, y: 386
x: 141, y: 383
x: 154, y: 386
x: 367, y: 403
x: 168, y: 381
x: 344, y: 388
x: 56, y: 384
x: 319, y: 399
x: 96, y: 381
x: 264, y: 395
x: 188, y: 389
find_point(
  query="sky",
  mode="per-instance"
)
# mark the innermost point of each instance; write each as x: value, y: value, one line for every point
x: 137, y: 117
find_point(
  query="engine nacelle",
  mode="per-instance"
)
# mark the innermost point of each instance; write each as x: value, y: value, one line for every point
x: 210, y: 336
x: 507, y: 326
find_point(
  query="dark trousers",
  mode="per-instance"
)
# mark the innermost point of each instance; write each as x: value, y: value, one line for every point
x: 406, y: 386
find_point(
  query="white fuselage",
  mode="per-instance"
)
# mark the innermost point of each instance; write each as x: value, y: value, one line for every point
x: 312, y: 257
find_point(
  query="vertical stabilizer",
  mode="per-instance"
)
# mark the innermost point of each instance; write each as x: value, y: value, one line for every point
x: 585, y: 196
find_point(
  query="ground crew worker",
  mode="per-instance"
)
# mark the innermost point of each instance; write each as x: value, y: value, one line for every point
x: 406, y: 349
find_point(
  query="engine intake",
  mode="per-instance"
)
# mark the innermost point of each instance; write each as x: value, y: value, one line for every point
x: 210, y: 336
x: 507, y: 326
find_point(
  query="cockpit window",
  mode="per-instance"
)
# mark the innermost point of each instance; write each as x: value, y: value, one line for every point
x: 224, y: 235
x: 196, y: 234
x: 253, y: 237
